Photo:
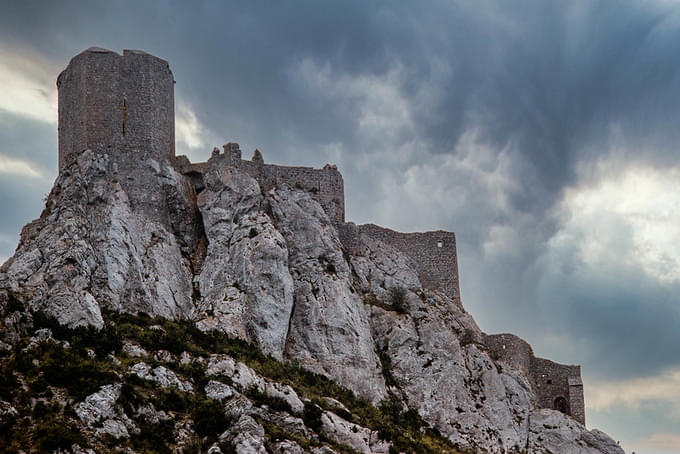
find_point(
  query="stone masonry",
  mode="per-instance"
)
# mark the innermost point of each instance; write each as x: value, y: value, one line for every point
x: 126, y: 102
x: 556, y: 386
x: 325, y: 185
x: 109, y: 100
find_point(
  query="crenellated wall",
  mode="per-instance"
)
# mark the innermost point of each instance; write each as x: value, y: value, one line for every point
x: 108, y: 100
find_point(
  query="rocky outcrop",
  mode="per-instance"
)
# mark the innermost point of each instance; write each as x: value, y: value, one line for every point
x: 245, y: 284
x: 105, y: 240
x: 100, y: 411
x: 268, y: 267
x: 551, y: 431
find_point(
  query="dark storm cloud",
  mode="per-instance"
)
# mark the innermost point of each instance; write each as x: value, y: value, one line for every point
x: 543, y: 84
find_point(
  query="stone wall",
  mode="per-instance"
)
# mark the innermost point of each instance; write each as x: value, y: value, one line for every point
x: 125, y: 102
x: 550, y: 382
x: 433, y: 253
x: 556, y: 386
x: 510, y: 349
x: 325, y: 185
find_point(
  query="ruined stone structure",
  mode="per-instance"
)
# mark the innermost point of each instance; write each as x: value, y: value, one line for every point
x: 556, y: 386
x: 126, y: 103
x: 111, y: 100
x: 433, y: 254
x: 325, y: 185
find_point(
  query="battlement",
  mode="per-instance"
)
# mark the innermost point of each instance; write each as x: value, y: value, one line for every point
x: 325, y: 185
x: 108, y: 100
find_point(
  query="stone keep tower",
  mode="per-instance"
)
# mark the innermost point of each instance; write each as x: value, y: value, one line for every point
x: 125, y: 102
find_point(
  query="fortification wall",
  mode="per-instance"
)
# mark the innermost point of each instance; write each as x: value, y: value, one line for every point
x: 577, y: 405
x: 107, y: 100
x: 510, y: 349
x: 325, y: 185
x: 556, y: 386
x: 433, y: 254
x: 550, y: 382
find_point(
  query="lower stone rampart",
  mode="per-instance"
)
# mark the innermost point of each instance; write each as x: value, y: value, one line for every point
x: 551, y: 384
x: 556, y: 386
x: 510, y: 349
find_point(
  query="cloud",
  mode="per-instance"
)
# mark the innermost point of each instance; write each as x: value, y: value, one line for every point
x: 381, y: 113
x: 27, y: 80
x: 190, y: 134
x: 658, y: 443
x: 18, y: 167
x: 628, y: 217
x: 634, y: 393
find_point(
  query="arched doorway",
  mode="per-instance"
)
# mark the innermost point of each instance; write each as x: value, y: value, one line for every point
x: 560, y: 404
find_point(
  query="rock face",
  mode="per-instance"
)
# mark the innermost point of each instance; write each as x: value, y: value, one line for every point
x: 269, y: 267
x: 99, y: 243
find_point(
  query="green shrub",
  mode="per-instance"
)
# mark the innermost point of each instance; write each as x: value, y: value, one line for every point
x: 405, y: 429
x: 80, y: 375
x: 51, y: 434
x: 398, y: 301
x: 311, y: 415
x: 13, y: 304
x: 8, y: 383
x: 103, y: 341
x: 153, y: 437
x: 209, y: 418
x: 172, y: 400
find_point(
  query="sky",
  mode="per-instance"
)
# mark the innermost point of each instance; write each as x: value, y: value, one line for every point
x: 544, y: 133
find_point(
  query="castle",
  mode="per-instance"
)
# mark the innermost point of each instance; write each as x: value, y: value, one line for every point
x: 126, y: 102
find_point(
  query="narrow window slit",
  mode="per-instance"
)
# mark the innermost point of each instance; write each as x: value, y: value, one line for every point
x: 124, y: 114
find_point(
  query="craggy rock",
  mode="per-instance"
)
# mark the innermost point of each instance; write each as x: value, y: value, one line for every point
x: 6, y: 411
x: 329, y: 328
x: 552, y: 431
x: 243, y: 378
x: 151, y: 415
x: 246, y: 285
x: 218, y: 391
x: 134, y: 350
x: 247, y: 436
x: 265, y: 264
x: 103, y: 241
x: 287, y: 447
x: 161, y: 375
x: 360, y: 438
x: 99, y: 411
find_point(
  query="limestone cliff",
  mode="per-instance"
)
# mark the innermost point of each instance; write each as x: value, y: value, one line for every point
x: 130, y: 233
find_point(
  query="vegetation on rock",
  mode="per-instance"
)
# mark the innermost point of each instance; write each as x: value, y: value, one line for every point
x: 45, y: 380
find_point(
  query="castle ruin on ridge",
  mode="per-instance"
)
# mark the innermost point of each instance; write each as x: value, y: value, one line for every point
x: 126, y: 102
